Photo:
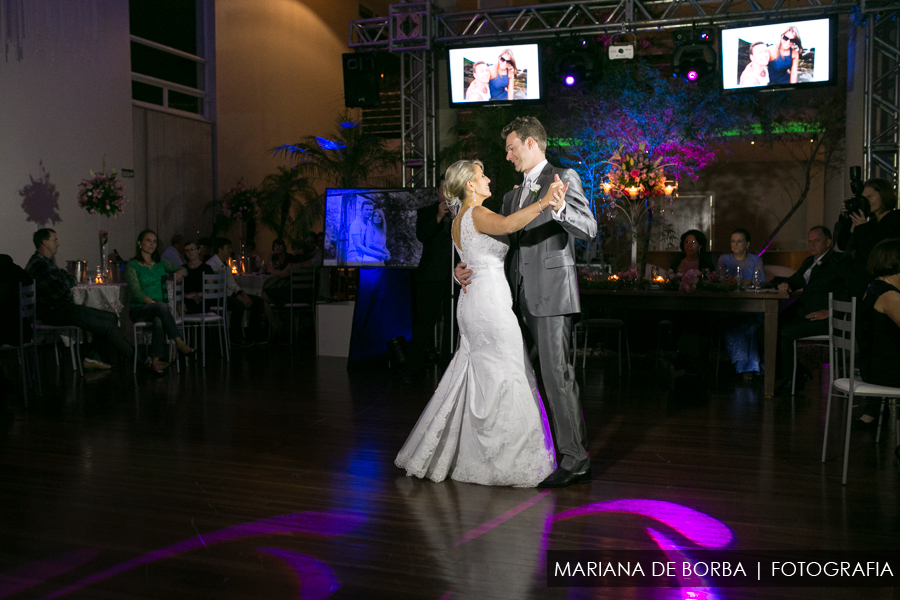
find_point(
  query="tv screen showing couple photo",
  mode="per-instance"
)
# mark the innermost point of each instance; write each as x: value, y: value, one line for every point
x: 373, y: 227
x: 494, y: 74
x: 786, y: 54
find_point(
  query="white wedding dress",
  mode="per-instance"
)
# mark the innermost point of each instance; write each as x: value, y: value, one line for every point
x: 485, y: 423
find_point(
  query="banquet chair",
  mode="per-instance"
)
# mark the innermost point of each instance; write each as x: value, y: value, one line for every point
x: 75, y: 336
x: 842, y: 378
x: 214, y: 313
x: 302, y: 297
x: 144, y: 330
x: 586, y: 325
x: 27, y: 316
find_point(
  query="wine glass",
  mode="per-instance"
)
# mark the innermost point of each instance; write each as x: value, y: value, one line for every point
x: 757, y: 278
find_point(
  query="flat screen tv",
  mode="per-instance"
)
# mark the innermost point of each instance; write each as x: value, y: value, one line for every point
x: 494, y: 74
x: 777, y: 56
x: 373, y: 227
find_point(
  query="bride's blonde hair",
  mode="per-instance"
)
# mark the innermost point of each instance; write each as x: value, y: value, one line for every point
x: 455, y: 179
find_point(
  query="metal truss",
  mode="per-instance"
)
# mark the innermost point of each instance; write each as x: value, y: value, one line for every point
x: 587, y: 17
x: 417, y: 118
x: 882, y: 102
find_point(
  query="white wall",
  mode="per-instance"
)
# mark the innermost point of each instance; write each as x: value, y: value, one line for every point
x: 66, y: 104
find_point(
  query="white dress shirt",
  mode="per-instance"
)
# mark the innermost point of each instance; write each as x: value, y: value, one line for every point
x: 816, y: 262
x: 220, y: 267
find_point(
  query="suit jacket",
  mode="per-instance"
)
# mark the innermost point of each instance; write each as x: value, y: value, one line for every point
x: 832, y: 275
x: 542, y: 255
x: 436, y: 263
x: 11, y: 275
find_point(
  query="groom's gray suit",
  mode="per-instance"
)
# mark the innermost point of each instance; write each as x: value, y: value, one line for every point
x: 540, y: 267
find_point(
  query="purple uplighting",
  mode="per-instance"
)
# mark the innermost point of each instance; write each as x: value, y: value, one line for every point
x: 694, y: 525
x: 316, y: 580
x: 26, y: 576
x: 315, y: 523
x: 569, y: 80
x: 692, y: 75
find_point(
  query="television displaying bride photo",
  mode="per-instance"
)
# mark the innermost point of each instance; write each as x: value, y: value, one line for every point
x: 373, y: 227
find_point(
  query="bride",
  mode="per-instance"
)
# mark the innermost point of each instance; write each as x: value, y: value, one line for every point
x: 485, y: 423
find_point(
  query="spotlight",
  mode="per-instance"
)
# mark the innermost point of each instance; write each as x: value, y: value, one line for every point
x: 693, y: 61
x: 575, y: 64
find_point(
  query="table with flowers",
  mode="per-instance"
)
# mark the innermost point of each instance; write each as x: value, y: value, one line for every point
x: 693, y: 292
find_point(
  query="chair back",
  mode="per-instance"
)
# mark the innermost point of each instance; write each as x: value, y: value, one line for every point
x: 842, y: 337
x: 303, y: 285
x: 214, y: 293
x: 179, y: 296
x: 27, y: 313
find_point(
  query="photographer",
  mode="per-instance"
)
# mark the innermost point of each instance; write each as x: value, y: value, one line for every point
x: 866, y: 219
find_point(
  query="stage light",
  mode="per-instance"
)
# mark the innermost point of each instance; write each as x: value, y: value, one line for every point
x: 693, y: 61
x: 569, y: 80
x: 575, y: 65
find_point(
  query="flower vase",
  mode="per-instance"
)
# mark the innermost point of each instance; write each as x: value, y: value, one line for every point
x: 104, y: 255
x: 634, y: 241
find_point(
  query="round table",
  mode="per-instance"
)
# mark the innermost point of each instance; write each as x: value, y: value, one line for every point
x: 252, y: 284
x: 112, y: 297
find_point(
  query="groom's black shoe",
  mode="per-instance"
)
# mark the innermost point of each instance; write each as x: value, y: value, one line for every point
x: 562, y: 478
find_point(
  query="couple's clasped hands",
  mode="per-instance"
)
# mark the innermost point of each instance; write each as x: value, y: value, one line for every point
x: 554, y: 199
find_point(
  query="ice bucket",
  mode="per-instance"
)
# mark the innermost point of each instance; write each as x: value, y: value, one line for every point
x: 77, y: 269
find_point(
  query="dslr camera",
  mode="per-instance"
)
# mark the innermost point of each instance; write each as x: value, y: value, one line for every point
x: 858, y: 202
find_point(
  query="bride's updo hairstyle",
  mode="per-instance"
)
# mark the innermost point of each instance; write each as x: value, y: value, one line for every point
x: 455, y: 179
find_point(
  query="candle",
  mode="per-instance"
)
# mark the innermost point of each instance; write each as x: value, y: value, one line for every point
x: 633, y: 191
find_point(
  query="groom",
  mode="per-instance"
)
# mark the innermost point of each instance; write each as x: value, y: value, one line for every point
x: 540, y: 266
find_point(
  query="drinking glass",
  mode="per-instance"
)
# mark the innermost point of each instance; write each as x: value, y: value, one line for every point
x: 757, y: 278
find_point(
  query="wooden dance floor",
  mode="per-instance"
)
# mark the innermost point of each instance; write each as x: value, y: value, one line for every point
x: 273, y: 478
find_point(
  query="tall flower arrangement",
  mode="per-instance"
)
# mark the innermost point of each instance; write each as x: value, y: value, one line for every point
x: 102, y: 194
x: 241, y: 202
x: 634, y: 180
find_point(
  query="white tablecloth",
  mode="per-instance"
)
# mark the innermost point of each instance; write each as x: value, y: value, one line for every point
x: 111, y: 297
x: 252, y: 284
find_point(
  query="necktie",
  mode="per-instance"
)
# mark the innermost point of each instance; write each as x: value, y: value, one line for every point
x: 526, y: 185
x: 808, y: 274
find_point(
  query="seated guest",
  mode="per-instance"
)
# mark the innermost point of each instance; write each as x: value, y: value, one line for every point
x: 879, y: 324
x: 256, y: 263
x: 55, y: 305
x: 824, y: 271
x: 693, y: 254
x: 175, y: 253
x: 239, y: 301
x: 276, y: 289
x: 193, y: 281
x: 206, y: 248
x: 146, y: 273
x: 739, y: 329
x: 11, y: 275
x: 280, y: 258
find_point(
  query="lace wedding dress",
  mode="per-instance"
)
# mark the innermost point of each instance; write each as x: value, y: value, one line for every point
x: 485, y: 423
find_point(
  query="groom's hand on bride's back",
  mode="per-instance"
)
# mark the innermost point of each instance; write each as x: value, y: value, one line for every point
x: 462, y: 275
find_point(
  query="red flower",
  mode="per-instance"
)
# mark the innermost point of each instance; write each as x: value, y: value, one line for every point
x: 635, y: 173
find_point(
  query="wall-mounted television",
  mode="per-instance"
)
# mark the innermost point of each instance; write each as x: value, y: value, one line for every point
x: 783, y: 55
x: 373, y: 227
x: 494, y: 74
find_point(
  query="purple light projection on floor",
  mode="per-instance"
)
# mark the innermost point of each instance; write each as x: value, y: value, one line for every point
x: 315, y: 579
x: 485, y: 527
x: 26, y: 576
x: 694, y: 525
x: 692, y: 588
x: 328, y: 523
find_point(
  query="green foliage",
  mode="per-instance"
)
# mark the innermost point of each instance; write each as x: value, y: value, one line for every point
x: 290, y: 205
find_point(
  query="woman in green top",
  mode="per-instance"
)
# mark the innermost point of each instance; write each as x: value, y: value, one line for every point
x: 145, y: 274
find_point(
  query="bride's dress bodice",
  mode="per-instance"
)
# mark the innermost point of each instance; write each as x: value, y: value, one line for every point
x: 478, y: 249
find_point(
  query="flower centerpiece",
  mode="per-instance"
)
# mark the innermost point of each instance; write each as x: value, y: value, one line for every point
x: 102, y: 194
x: 634, y: 180
x: 241, y: 203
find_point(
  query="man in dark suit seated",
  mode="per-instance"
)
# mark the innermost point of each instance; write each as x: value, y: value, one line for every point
x: 433, y: 281
x: 824, y: 271
x: 11, y: 275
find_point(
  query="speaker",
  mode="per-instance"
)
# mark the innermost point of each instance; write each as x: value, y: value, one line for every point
x: 360, y: 81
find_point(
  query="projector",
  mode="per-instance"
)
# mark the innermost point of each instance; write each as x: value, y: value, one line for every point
x: 620, y: 51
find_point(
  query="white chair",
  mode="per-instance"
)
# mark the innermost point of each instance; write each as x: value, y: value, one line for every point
x: 842, y: 379
x: 302, y: 297
x: 145, y: 328
x: 586, y: 325
x: 75, y: 336
x: 214, y: 313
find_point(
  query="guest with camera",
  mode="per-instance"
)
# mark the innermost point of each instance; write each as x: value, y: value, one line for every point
x: 879, y: 325
x: 866, y: 220
x: 824, y: 271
